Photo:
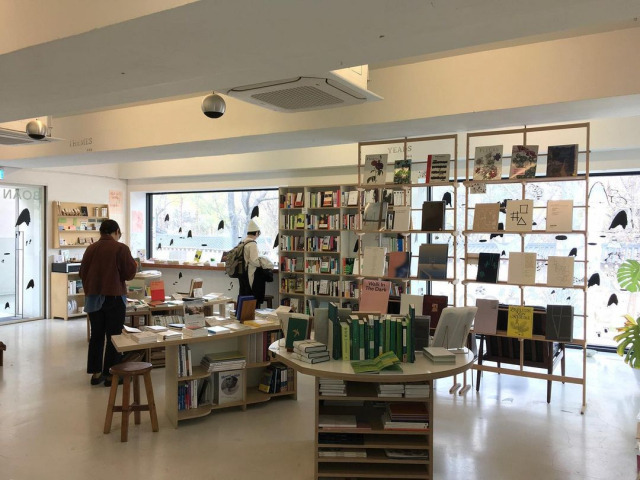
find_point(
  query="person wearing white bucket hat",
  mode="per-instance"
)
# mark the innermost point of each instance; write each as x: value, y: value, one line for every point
x: 251, y: 258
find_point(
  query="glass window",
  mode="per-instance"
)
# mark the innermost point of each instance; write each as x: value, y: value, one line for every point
x: 211, y: 222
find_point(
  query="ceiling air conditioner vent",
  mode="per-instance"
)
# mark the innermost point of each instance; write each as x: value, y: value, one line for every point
x: 301, y: 94
x: 10, y: 137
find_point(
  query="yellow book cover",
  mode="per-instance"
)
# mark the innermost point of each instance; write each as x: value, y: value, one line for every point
x: 520, y: 322
x: 346, y: 341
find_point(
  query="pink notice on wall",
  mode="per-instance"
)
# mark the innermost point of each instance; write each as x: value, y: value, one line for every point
x: 137, y: 221
x: 115, y: 202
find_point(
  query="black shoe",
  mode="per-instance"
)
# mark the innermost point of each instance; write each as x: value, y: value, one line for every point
x: 97, y: 380
x: 107, y: 381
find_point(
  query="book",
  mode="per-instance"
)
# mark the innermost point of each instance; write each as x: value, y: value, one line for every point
x: 297, y: 329
x: 399, y: 264
x: 520, y: 321
x: 433, y: 216
x: 487, y: 164
x: 486, y: 320
x: 560, y: 271
x: 432, y: 305
x: 193, y: 331
x: 247, y: 310
x: 401, y: 219
x: 453, y: 327
x: 321, y: 324
x: 402, y: 171
x: 524, y: 160
x: 309, y: 359
x: 157, y: 290
x: 562, y: 161
x: 218, y: 330
x: 438, y: 167
x: 559, y: 215
x: 488, y: 267
x: 229, y: 386
x: 337, y: 421
x: 407, y: 299
x: 308, y: 346
x: 519, y: 214
x: 374, y: 260
x: 433, y: 260
x: 318, y: 354
x: 375, y: 169
x: 559, y: 324
x: 522, y: 268
x: 352, y: 198
x: 374, y: 295
x: 387, y: 361
x: 141, y: 337
x: 439, y: 355
x: 155, y: 328
x: 485, y: 217
x: 374, y: 216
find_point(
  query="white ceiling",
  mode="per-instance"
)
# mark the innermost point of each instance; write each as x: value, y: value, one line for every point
x: 75, y: 56
x: 208, y: 45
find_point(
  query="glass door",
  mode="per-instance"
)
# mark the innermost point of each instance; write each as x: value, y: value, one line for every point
x: 22, y: 252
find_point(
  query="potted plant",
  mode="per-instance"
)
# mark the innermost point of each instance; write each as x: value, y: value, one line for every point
x: 628, y: 337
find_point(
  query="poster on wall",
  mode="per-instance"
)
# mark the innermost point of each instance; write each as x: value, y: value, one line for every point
x: 115, y: 202
x: 137, y: 221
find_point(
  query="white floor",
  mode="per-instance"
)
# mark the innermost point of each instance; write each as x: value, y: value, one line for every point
x: 51, y: 423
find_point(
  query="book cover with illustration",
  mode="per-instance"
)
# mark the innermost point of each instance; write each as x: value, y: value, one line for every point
x: 432, y: 261
x: 487, y: 164
x: 375, y: 169
x: 402, y: 171
x: 520, y: 322
x: 488, y: 267
x: 559, y: 325
x: 524, y: 160
x: 399, y: 264
x: 562, y: 161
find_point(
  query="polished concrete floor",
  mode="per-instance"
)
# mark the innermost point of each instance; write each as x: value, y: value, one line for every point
x: 51, y: 423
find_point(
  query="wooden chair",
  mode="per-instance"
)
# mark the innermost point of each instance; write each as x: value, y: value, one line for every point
x: 130, y: 371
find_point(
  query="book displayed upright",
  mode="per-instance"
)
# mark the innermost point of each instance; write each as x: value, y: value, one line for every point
x: 519, y: 214
x: 559, y: 325
x: 485, y: 217
x: 559, y: 215
x: 374, y: 295
x: 487, y: 164
x: 486, y: 320
x: 433, y: 216
x: 157, y: 290
x: 522, y: 268
x: 488, y: 267
x: 407, y: 299
x: 398, y: 264
x: 401, y: 219
x: 432, y: 305
x: 562, y: 161
x: 438, y: 167
x: 373, y: 261
x: 524, y: 160
x: 375, y: 169
x: 229, y: 386
x: 402, y: 171
x: 560, y: 271
x: 433, y: 260
x: 297, y: 329
x: 520, y: 321
x: 374, y: 216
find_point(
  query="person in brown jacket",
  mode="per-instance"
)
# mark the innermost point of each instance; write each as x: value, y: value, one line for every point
x: 105, y: 267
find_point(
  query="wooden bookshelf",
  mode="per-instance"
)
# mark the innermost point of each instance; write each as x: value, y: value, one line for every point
x: 76, y: 224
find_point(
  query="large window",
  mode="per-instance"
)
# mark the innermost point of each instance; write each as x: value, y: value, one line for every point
x: 211, y: 222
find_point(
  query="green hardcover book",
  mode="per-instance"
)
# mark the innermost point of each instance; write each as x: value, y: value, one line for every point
x: 297, y: 329
x: 392, y: 336
x: 362, y: 339
x: 380, y: 337
x: 345, y: 341
x: 336, y: 354
x: 398, y: 349
x: 371, y: 337
x: 404, y: 340
x: 386, y: 343
x: 355, y: 341
x: 411, y: 350
x: 376, y: 337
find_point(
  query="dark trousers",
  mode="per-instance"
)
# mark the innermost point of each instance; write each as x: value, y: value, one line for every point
x: 105, y: 322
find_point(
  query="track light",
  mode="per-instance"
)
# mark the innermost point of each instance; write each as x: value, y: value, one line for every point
x: 36, y: 129
x: 213, y: 106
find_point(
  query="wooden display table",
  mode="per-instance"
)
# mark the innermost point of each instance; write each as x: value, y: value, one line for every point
x: 363, y: 401
x: 200, y: 346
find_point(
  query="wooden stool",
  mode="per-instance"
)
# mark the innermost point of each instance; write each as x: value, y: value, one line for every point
x: 3, y: 347
x: 128, y: 371
x: 268, y: 299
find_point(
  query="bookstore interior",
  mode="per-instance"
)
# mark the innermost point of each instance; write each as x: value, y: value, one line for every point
x: 443, y: 258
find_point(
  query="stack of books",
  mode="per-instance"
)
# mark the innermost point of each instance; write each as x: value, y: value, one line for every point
x: 439, y: 355
x: 138, y: 336
x: 310, y: 351
x: 337, y: 421
x: 416, y: 390
x: 406, y: 416
x: 342, y: 452
x: 333, y: 388
x: 222, y: 361
x: 194, y: 331
x: 390, y: 389
x: 402, y: 453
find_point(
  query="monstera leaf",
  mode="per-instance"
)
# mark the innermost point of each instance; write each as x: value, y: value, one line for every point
x: 629, y: 336
x: 629, y: 276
